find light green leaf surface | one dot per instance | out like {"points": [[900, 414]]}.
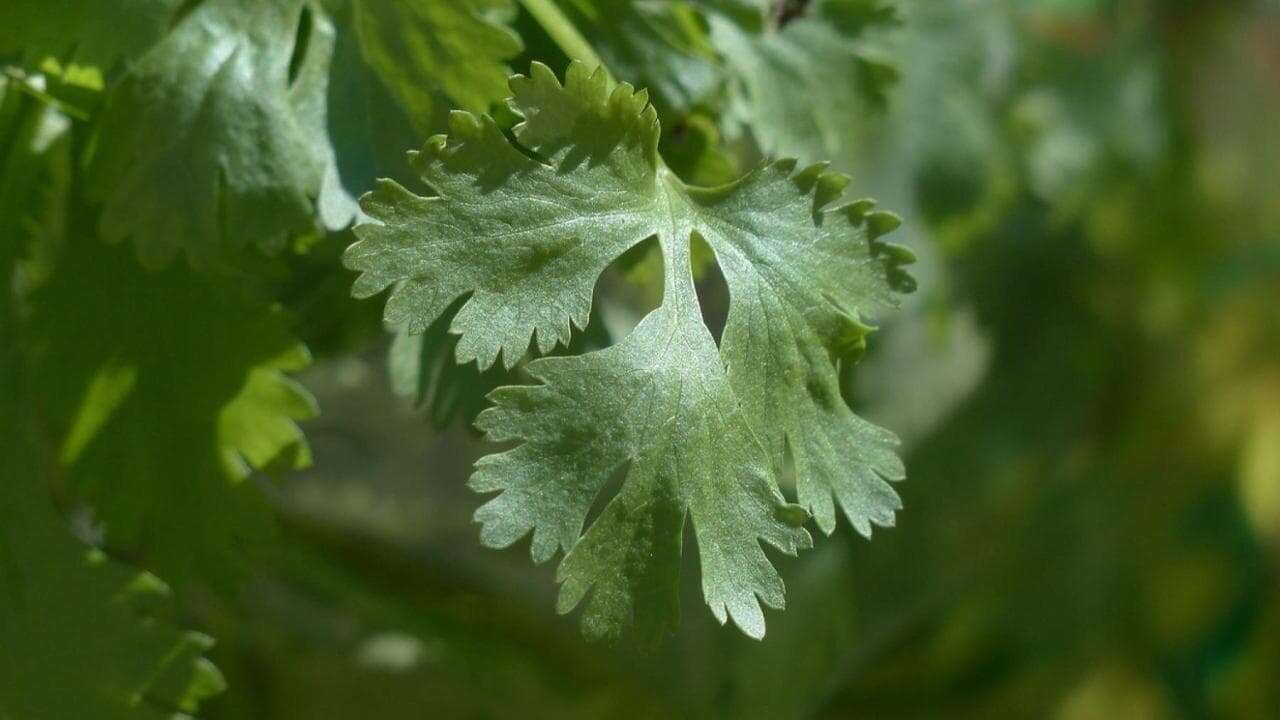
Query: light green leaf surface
{"points": [[166, 390], [214, 144], [432, 55], [702, 433]]}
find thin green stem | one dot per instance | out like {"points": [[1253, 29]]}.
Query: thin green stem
{"points": [[20, 81], [564, 33]]}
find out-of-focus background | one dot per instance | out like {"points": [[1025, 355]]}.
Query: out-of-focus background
{"points": [[1087, 386]]}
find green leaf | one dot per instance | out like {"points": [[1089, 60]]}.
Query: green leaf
{"points": [[656, 45], [693, 149], [431, 54], [421, 368], [166, 390], [78, 633], [35, 163], [77, 639], [80, 33], [804, 88], [526, 230], [214, 144]]}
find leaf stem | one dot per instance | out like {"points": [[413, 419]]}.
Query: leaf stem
{"points": [[564, 33], [22, 82]]}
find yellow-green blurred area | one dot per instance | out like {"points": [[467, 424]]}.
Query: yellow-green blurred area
{"points": [[1086, 383], [1088, 388]]}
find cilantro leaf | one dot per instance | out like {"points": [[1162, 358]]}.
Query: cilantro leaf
{"points": [[421, 368], [215, 138], [802, 87], [426, 52], [526, 230], [166, 390], [659, 404]]}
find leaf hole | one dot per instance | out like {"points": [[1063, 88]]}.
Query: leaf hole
{"points": [[301, 43], [607, 492], [629, 288], [711, 286]]}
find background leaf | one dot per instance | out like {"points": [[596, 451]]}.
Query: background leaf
{"points": [[214, 143], [166, 391]]}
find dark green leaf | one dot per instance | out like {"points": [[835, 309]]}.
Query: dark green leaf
{"points": [[214, 144]]}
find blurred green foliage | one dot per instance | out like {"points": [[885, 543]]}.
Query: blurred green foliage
{"points": [[1087, 382]]}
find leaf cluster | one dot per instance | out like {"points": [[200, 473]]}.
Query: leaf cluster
{"points": [[176, 187]]}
